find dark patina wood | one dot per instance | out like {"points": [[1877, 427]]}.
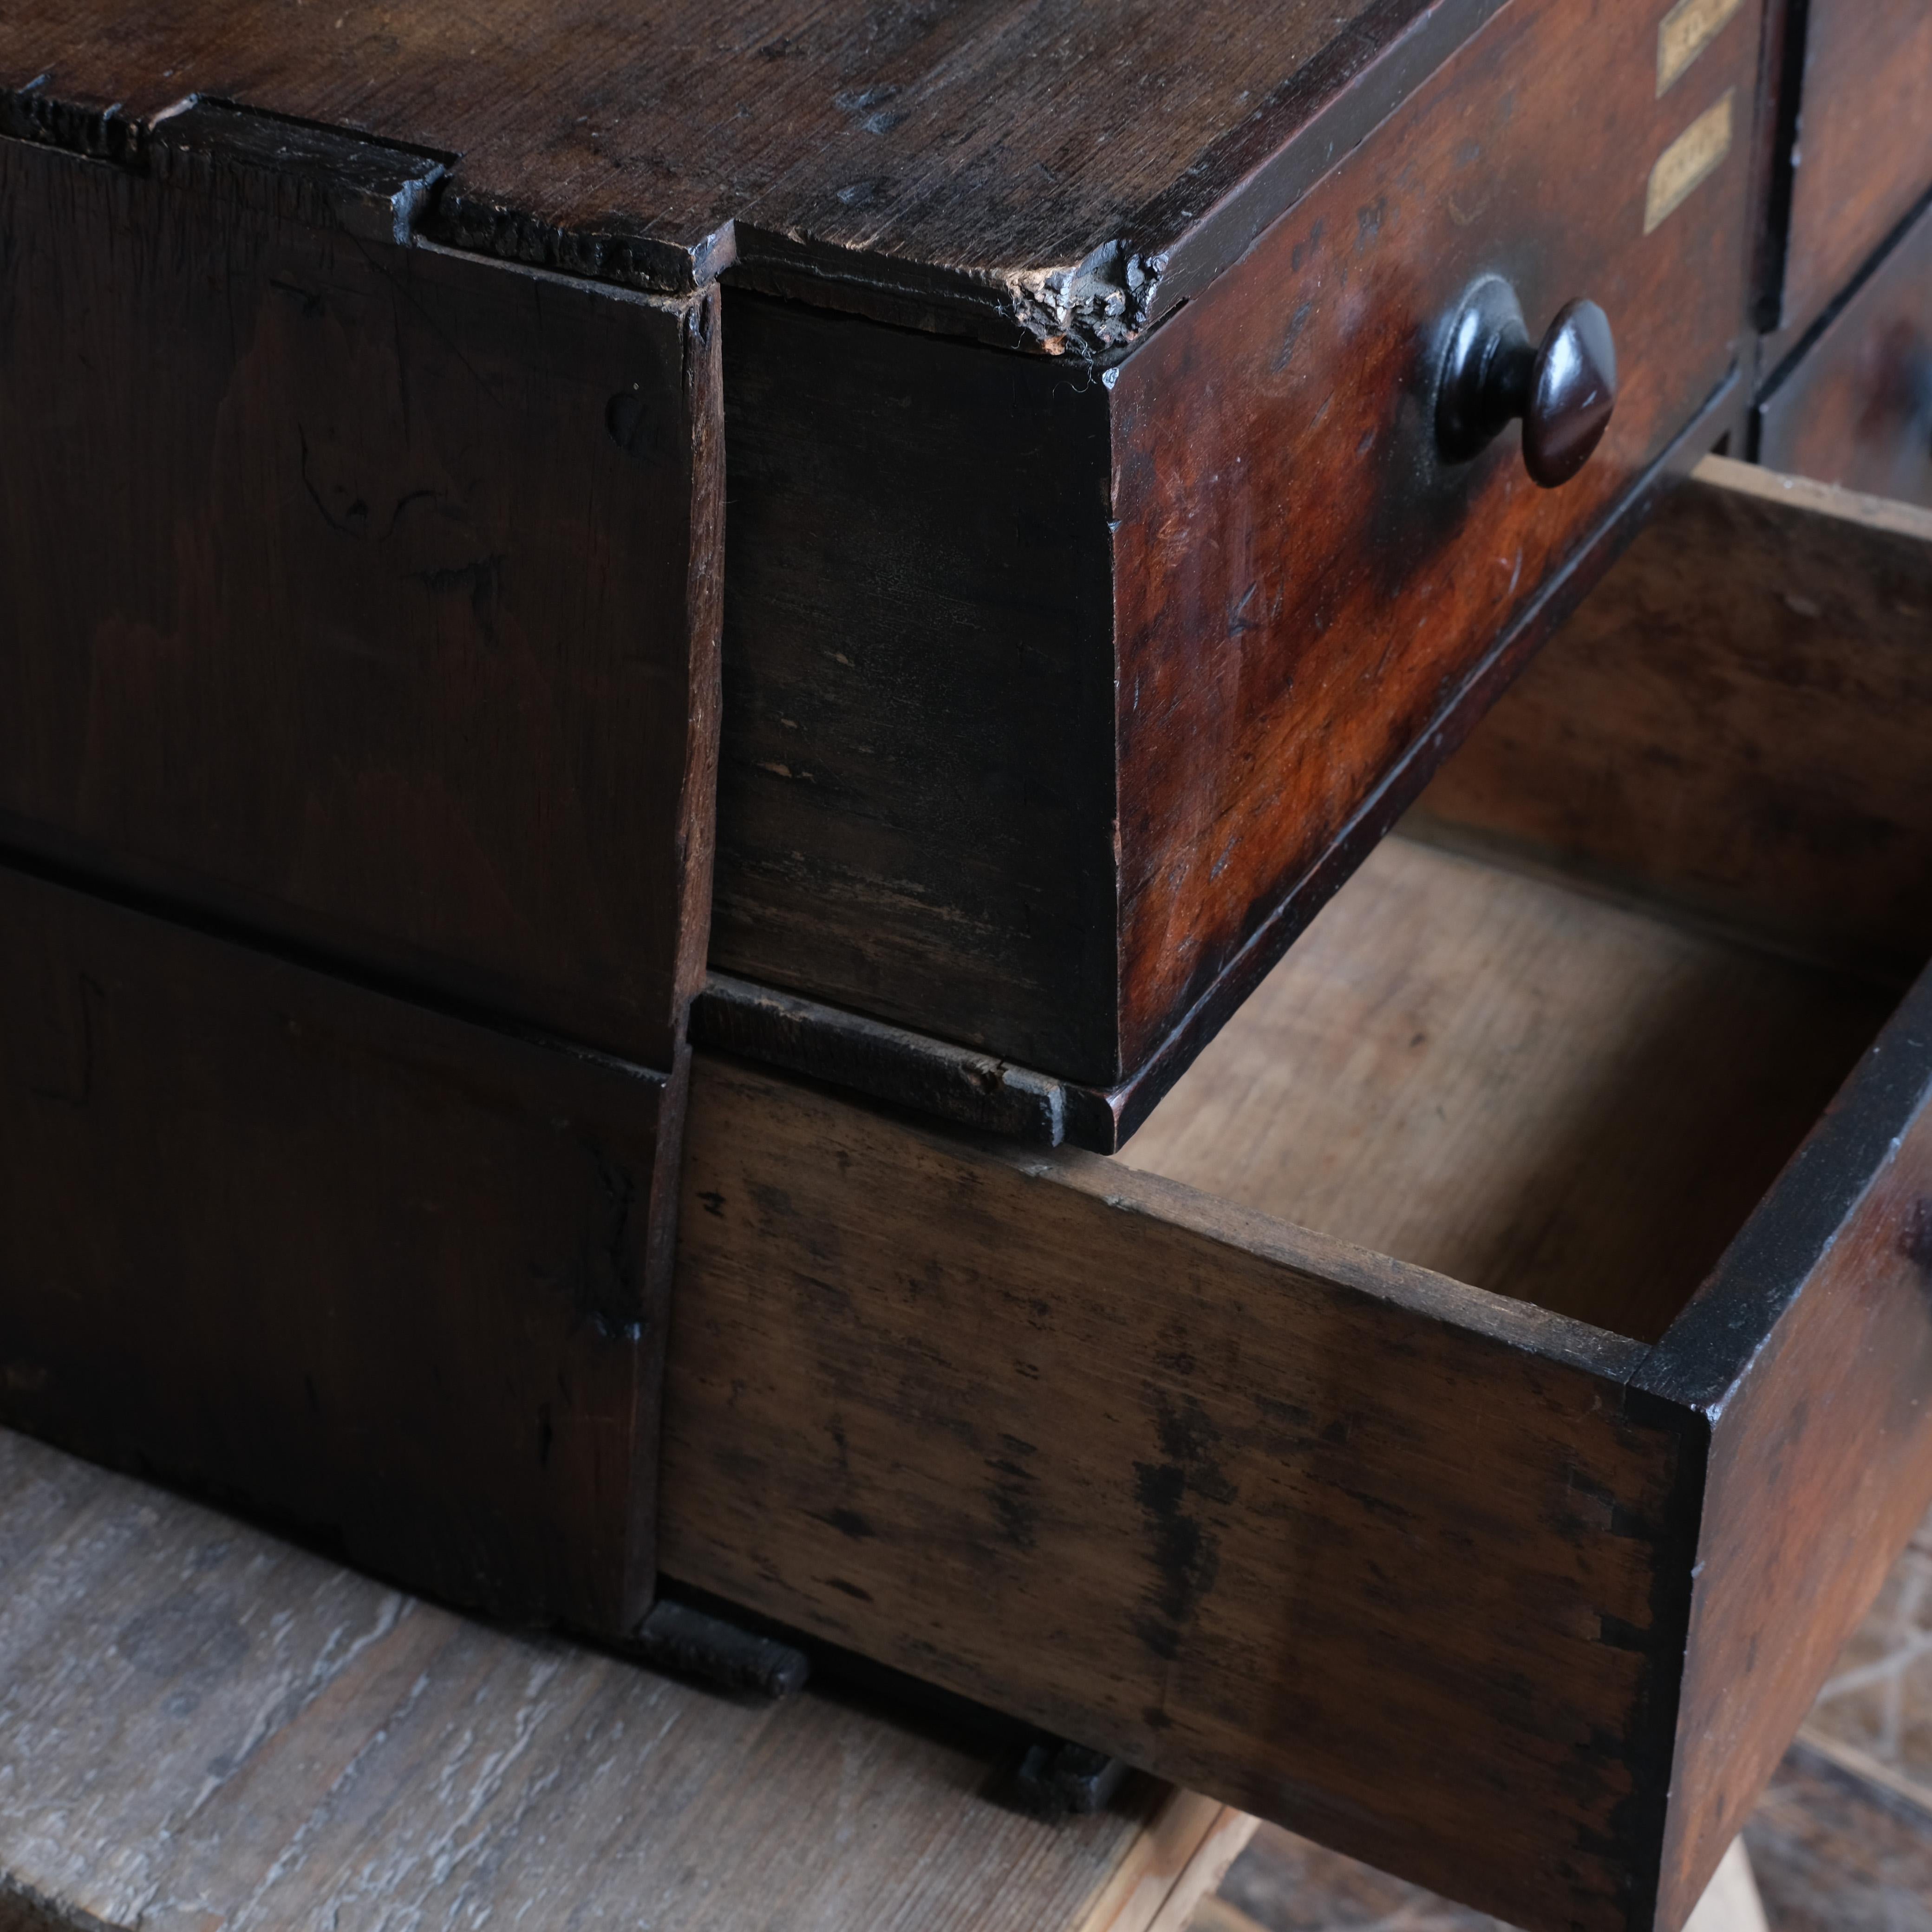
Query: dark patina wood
{"points": [[1053, 175], [1016, 764], [1336, 1539], [915, 790], [1162, 1470], [1305, 598], [1856, 407], [1272, 675], [390, 625], [396, 1280], [1810, 1353], [1863, 152], [1733, 722]]}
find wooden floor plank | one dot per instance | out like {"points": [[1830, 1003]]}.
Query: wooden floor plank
{"points": [[204, 1729]]}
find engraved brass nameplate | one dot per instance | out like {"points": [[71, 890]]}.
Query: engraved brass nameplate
{"points": [[1686, 31], [1689, 159]]}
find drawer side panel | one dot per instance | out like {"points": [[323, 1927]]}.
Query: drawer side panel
{"points": [[1734, 722], [1821, 1460], [1331, 1538], [916, 796], [360, 593]]}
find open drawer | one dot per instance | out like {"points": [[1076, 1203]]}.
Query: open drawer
{"points": [[1467, 1421]]}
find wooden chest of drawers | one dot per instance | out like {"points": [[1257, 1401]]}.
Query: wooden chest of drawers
{"points": [[1084, 623]]}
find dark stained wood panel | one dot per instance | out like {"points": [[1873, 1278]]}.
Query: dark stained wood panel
{"points": [[393, 1279], [1864, 146], [1330, 1537], [916, 786], [1811, 1351], [1733, 723], [1039, 164], [1302, 585], [1856, 409], [367, 594], [1056, 706]]}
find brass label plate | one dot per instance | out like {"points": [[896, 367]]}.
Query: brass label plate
{"points": [[1690, 161], [1685, 31]]}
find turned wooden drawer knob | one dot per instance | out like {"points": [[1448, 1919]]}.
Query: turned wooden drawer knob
{"points": [[1563, 389]]}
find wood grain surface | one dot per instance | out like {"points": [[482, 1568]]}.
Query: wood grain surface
{"points": [[916, 792], [1555, 1096], [391, 628], [1302, 584], [203, 1729], [1811, 1350], [1325, 1535], [1733, 723], [1026, 747], [1863, 147], [1856, 408], [393, 1279], [1053, 173]]}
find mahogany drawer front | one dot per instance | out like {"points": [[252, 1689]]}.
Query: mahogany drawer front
{"points": [[1517, 1589], [359, 592], [394, 1279], [1856, 408], [1056, 703], [1863, 146], [1302, 585]]}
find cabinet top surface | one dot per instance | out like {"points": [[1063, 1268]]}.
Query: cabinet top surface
{"points": [[1069, 167]]}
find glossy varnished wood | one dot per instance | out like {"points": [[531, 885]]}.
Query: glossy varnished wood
{"points": [[390, 624], [1863, 152], [1271, 673], [393, 1279], [1856, 407]]}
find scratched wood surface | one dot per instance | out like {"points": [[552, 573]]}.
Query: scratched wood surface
{"points": [[406, 645], [205, 1729], [1733, 723], [1286, 1521], [1550, 1095], [1040, 745], [1038, 160], [1302, 585]]}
